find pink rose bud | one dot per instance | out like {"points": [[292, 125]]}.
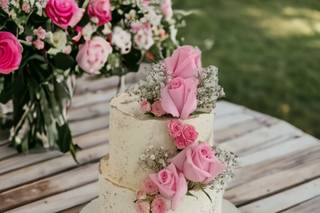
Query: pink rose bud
{"points": [[166, 8], [38, 44], [145, 106], [10, 53], [185, 62], [175, 128], [172, 184], [64, 13], [149, 187], [157, 109], [100, 9], [40, 33], [198, 163], [179, 97], [93, 55], [158, 205], [142, 207]]}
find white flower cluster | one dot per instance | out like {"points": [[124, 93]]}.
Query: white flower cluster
{"points": [[150, 87], [155, 158], [209, 89]]}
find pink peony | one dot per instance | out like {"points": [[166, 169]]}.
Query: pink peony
{"points": [[198, 163], [149, 187], [100, 9], [158, 205], [38, 44], [172, 185], [93, 54], [64, 13], [175, 128], [145, 106], [166, 8], [179, 97], [157, 109], [10, 53], [185, 62], [142, 206]]}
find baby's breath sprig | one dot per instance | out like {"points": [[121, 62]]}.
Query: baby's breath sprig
{"points": [[155, 158]]}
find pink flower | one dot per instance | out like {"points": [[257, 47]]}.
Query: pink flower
{"points": [[172, 185], [38, 44], [179, 97], [4, 4], [64, 13], [141, 195], [157, 109], [158, 205], [142, 206], [175, 128], [188, 136], [67, 50], [100, 9], [10, 53], [77, 37], [198, 163], [40, 33], [93, 54], [166, 8], [145, 106], [185, 62], [149, 187], [25, 7], [29, 39]]}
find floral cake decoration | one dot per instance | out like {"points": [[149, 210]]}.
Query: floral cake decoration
{"points": [[195, 165], [179, 86]]}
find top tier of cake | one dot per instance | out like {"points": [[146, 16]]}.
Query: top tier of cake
{"points": [[132, 131]]}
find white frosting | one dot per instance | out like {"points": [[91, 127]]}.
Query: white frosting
{"points": [[115, 198], [132, 131]]}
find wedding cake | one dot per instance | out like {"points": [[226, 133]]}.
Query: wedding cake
{"points": [[162, 156]]}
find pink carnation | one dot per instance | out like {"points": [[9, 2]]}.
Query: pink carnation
{"points": [[142, 206], [157, 109], [158, 205], [10, 53], [145, 106], [100, 9]]}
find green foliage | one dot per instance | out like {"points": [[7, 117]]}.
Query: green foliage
{"points": [[268, 54]]}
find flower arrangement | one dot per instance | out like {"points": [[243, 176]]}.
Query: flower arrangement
{"points": [[194, 166], [44, 43], [179, 86]]}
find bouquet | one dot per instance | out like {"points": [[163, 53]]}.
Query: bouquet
{"points": [[45, 43]]}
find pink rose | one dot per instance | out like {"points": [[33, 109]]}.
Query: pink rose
{"points": [[149, 187], [145, 106], [188, 137], [10, 53], [158, 205], [185, 62], [198, 163], [179, 97], [64, 13], [100, 9], [93, 54], [157, 109], [171, 184], [166, 8], [175, 128], [142, 206]]}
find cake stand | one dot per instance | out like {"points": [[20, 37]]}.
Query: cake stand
{"points": [[93, 207]]}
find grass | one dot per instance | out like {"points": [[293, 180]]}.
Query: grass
{"points": [[268, 53]]}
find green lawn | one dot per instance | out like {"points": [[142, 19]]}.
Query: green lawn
{"points": [[268, 53]]}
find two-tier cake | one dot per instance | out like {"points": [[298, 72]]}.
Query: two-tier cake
{"points": [[162, 156]]}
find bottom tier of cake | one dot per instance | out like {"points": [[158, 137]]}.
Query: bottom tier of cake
{"points": [[115, 198]]}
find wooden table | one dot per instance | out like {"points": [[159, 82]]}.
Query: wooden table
{"points": [[279, 164]]}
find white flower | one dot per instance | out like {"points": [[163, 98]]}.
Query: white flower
{"points": [[88, 30], [122, 40], [58, 40], [152, 17], [173, 34]]}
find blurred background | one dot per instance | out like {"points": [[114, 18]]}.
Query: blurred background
{"points": [[268, 53]]}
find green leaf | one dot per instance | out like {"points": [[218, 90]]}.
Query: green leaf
{"points": [[206, 193], [63, 61]]}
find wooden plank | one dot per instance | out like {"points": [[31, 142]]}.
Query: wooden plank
{"points": [[92, 138], [285, 199], [224, 108], [282, 149], [6, 151], [230, 119], [61, 201], [86, 126], [91, 84], [75, 209], [50, 167], [91, 98], [310, 206], [48, 186], [87, 112], [257, 139]]}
